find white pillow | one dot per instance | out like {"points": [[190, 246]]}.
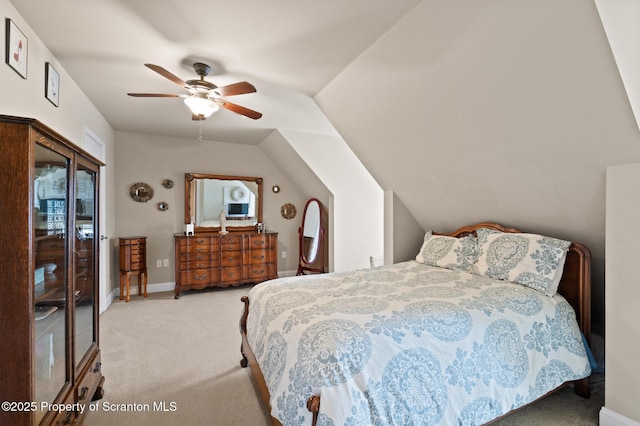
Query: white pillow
{"points": [[532, 260], [448, 252]]}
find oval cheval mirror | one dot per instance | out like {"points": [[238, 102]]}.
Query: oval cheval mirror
{"points": [[311, 239]]}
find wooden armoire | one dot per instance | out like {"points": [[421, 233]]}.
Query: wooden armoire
{"points": [[49, 263]]}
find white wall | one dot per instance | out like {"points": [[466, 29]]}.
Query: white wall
{"points": [[622, 294], [74, 115], [358, 201], [499, 110], [151, 159], [25, 97]]}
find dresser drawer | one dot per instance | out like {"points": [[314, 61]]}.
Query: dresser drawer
{"points": [[195, 257], [258, 256], [200, 276], [196, 248], [199, 260], [231, 273], [230, 258], [259, 272], [258, 241], [231, 243], [63, 418], [184, 242], [89, 382]]}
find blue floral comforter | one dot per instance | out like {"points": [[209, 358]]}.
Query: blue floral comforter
{"points": [[409, 344]]}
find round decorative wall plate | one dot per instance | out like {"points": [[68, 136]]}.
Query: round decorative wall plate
{"points": [[141, 192], [288, 211], [167, 183]]}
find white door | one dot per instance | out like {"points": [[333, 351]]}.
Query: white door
{"points": [[95, 146]]}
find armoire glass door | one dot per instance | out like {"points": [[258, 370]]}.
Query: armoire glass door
{"points": [[50, 219], [85, 252]]}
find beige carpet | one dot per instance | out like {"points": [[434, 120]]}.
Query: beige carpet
{"points": [[170, 362]]}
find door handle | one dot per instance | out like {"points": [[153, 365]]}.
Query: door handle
{"points": [[103, 237]]}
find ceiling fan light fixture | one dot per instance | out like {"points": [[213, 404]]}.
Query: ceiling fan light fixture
{"points": [[201, 106]]}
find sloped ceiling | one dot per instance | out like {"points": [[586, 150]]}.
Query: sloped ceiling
{"points": [[506, 111], [499, 111], [288, 49]]}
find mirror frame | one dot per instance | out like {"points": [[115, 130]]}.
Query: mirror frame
{"points": [[188, 182], [316, 264]]}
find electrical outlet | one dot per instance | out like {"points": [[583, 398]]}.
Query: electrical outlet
{"points": [[165, 262], [284, 254], [158, 263]]}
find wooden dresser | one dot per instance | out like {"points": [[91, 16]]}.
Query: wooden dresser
{"points": [[133, 260], [213, 260]]}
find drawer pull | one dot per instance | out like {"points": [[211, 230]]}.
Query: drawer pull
{"points": [[259, 257], [261, 271], [201, 265], [199, 257], [231, 259], [68, 419], [230, 274], [83, 393], [98, 367], [200, 241], [259, 243], [200, 249], [200, 277]]}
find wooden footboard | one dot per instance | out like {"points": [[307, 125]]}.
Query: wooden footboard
{"points": [[249, 359]]}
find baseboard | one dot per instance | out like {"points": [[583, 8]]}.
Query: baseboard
{"points": [[151, 288], [170, 286], [105, 303], [611, 418]]}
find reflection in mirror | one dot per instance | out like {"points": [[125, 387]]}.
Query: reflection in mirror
{"points": [[311, 232], [235, 199], [311, 239]]}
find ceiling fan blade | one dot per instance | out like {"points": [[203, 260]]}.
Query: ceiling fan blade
{"points": [[168, 75], [155, 95], [235, 89], [239, 109]]}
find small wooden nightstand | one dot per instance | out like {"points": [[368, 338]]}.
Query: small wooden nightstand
{"points": [[133, 260]]}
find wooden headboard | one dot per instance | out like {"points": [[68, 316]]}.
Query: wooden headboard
{"points": [[575, 285]]}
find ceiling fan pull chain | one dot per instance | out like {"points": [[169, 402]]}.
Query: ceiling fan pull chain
{"points": [[200, 130]]}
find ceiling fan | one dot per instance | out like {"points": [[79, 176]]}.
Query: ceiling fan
{"points": [[203, 97]]}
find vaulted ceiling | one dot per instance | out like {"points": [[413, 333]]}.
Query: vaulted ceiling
{"points": [[289, 49]]}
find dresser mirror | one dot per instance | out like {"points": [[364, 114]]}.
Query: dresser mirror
{"points": [[212, 199]]}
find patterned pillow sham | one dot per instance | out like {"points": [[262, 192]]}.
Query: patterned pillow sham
{"points": [[448, 252], [532, 260]]}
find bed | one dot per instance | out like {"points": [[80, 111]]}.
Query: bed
{"points": [[484, 321]]}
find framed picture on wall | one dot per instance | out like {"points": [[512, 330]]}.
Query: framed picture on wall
{"points": [[16, 49], [52, 84]]}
